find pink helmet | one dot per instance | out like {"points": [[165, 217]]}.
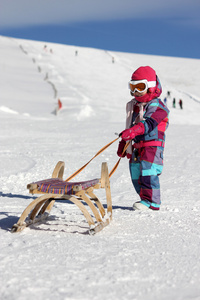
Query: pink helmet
{"points": [[150, 75]]}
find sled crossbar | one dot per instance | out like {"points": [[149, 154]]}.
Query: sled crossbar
{"points": [[79, 193]]}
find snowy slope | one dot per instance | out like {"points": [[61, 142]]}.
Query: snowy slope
{"points": [[140, 255]]}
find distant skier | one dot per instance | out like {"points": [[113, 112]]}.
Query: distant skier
{"points": [[58, 107], [146, 122], [59, 104], [181, 104], [174, 103]]}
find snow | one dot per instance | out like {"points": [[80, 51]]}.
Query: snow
{"points": [[141, 255]]}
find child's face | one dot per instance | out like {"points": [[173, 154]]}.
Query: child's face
{"points": [[138, 94]]}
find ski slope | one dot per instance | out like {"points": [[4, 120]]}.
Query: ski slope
{"points": [[141, 255]]}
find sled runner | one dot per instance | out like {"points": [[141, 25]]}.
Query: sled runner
{"points": [[79, 193]]}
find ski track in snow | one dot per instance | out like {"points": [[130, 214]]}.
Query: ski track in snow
{"points": [[140, 255]]}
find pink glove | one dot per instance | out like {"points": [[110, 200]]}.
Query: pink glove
{"points": [[121, 148], [131, 133], [128, 155]]}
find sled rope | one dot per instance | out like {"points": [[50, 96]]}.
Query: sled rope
{"points": [[117, 164], [99, 152]]}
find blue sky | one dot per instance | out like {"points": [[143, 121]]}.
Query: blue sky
{"points": [[169, 28]]}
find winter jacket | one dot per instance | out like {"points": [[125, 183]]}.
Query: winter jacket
{"points": [[155, 120]]}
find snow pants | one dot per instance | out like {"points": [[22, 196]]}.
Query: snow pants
{"points": [[145, 166]]}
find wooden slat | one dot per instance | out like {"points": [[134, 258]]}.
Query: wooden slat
{"points": [[32, 186]]}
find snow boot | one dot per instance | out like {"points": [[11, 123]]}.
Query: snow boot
{"points": [[140, 205]]}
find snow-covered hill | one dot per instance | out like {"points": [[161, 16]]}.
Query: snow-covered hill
{"points": [[140, 255]]}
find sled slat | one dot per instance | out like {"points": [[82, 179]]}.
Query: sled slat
{"points": [[32, 186]]}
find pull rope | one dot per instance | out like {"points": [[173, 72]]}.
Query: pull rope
{"points": [[99, 152], [117, 164]]}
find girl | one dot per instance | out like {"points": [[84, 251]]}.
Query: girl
{"points": [[146, 122]]}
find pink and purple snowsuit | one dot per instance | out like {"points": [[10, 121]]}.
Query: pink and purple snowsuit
{"points": [[147, 120], [146, 163]]}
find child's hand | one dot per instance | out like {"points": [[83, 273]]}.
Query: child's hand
{"points": [[131, 133], [128, 134], [121, 148]]}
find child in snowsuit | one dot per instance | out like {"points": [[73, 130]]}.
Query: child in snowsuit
{"points": [[146, 122]]}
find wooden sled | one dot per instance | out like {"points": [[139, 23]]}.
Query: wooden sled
{"points": [[79, 193]]}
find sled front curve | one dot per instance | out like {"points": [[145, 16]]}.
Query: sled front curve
{"points": [[80, 193]]}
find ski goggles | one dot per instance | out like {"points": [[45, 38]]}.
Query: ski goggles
{"points": [[140, 85]]}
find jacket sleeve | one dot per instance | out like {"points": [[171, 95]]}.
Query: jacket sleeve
{"points": [[156, 112]]}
